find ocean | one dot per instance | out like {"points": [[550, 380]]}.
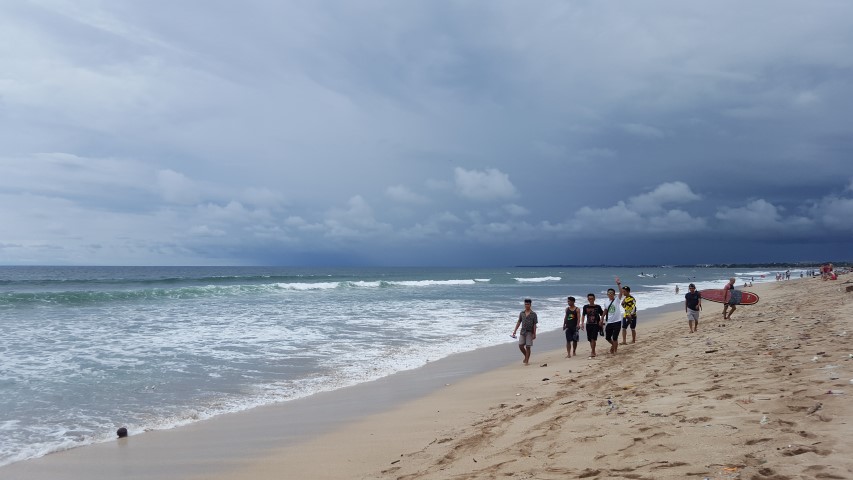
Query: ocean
{"points": [[86, 350]]}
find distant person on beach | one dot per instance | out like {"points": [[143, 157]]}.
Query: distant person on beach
{"points": [[612, 318], [527, 320], [570, 325], [728, 295], [692, 306], [676, 289], [591, 319], [629, 314]]}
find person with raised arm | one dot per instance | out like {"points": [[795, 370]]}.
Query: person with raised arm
{"points": [[612, 318]]}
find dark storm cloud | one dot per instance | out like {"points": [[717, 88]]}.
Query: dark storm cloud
{"points": [[425, 132]]}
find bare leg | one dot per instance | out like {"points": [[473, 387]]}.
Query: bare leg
{"points": [[624, 337], [633, 336], [734, 307], [575, 348], [523, 352], [592, 346], [568, 350], [612, 340], [690, 323], [526, 355]]}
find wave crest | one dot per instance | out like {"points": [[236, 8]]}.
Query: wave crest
{"points": [[538, 279]]}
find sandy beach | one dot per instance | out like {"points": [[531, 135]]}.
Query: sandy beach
{"points": [[765, 395]]}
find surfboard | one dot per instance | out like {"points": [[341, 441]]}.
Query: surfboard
{"points": [[738, 297]]}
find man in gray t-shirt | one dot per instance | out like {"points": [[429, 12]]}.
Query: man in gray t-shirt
{"points": [[527, 320]]}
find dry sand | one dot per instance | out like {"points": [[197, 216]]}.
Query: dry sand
{"points": [[742, 398]]}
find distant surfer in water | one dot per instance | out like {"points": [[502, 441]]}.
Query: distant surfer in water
{"points": [[728, 298]]}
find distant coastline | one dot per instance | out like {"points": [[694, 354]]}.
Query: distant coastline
{"points": [[778, 265]]}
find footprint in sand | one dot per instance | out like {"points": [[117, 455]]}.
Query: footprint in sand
{"points": [[795, 450]]}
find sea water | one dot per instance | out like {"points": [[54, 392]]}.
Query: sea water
{"points": [[85, 350]]}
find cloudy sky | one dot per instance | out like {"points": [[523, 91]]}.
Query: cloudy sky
{"points": [[366, 132]]}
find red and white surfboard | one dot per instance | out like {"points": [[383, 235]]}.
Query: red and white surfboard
{"points": [[738, 297]]}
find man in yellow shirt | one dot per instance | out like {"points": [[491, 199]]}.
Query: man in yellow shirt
{"points": [[629, 313]]}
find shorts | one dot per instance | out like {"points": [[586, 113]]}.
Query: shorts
{"points": [[630, 322], [525, 339], [735, 298], [611, 331], [572, 335], [692, 315], [591, 332]]}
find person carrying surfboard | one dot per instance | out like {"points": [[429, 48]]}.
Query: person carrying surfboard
{"points": [[727, 300]]}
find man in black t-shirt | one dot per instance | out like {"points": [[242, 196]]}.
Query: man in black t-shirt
{"points": [[591, 317], [570, 325], [692, 305]]}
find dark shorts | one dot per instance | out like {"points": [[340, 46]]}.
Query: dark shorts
{"points": [[572, 335], [611, 331], [630, 322], [735, 298], [591, 332]]}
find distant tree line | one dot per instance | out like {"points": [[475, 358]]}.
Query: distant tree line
{"points": [[773, 265]]}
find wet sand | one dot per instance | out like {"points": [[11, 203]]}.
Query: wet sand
{"points": [[741, 398]]}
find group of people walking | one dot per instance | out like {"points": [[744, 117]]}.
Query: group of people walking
{"points": [[614, 315]]}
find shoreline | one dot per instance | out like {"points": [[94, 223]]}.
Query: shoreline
{"points": [[413, 424], [739, 399], [306, 418]]}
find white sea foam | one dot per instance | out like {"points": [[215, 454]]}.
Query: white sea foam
{"points": [[308, 286], [430, 283], [757, 273], [537, 279]]}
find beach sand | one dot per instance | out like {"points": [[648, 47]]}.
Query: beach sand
{"points": [[741, 398]]}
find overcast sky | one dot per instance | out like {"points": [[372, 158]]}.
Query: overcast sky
{"points": [[365, 132]]}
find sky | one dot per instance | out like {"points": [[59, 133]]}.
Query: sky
{"points": [[421, 133]]}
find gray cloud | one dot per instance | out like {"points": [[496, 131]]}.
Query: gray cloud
{"points": [[268, 132], [403, 194], [489, 184]]}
